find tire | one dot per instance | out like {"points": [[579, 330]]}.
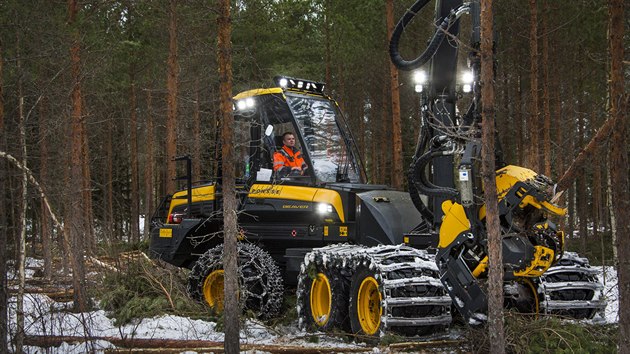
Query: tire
{"points": [[521, 295], [366, 306], [322, 297], [260, 281]]}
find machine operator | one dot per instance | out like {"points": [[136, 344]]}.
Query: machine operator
{"points": [[288, 161]]}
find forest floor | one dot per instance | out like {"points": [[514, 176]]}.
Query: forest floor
{"points": [[51, 326]]}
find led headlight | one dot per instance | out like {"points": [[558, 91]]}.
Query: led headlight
{"points": [[289, 83], [467, 77], [467, 81], [324, 208], [246, 103], [419, 79]]}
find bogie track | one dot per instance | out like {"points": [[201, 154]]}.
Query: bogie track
{"points": [[572, 289], [391, 289]]}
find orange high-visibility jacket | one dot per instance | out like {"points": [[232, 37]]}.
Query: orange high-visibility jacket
{"points": [[285, 157]]}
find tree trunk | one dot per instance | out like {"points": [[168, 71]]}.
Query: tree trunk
{"points": [[520, 120], [46, 231], [495, 256], [384, 140], [230, 254], [88, 239], [611, 210], [373, 146], [533, 126], [506, 125], [74, 211], [397, 158], [171, 83], [360, 117], [133, 157], [109, 182], [580, 185], [546, 100], [327, 40], [560, 144], [570, 146], [4, 320], [619, 165], [19, 336], [597, 196], [196, 158], [148, 168]]}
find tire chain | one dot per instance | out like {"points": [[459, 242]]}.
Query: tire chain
{"points": [[260, 280], [403, 274], [571, 288]]}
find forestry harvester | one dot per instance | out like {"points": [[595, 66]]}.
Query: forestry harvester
{"points": [[363, 257]]}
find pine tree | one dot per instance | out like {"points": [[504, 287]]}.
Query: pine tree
{"points": [[397, 159], [619, 166], [172, 87], [230, 253], [495, 256]]}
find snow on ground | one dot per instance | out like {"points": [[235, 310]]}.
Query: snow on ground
{"points": [[611, 292], [45, 317]]}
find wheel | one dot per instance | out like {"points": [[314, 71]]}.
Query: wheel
{"points": [[323, 299], [522, 296], [260, 280], [366, 306], [213, 290]]}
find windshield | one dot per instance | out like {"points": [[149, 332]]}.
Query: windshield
{"points": [[317, 120]]}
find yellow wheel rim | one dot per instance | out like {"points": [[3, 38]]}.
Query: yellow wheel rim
{"points": [[369, 308], [213, 290], [532, 287], [320, 297]]}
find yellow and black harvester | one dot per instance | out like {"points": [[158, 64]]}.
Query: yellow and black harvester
{"points": [[365, 258]]}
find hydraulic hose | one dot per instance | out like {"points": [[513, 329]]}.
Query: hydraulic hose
{"points": [[420, 181], [411, 180], [417, 201], [434, 43]]}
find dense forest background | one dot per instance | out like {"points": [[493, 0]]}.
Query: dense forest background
{"points": [[93, 95]]}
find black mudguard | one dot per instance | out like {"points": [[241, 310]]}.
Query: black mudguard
{"points": [[171, 243], [384, 217]]}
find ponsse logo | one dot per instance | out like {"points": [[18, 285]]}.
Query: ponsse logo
{"points": [[266, 190]]}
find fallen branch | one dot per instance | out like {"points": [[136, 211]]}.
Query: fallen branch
{"points": [[97, 262], [570, 174], [409, 346], [179, 345], [39, 188], [55, 341]]}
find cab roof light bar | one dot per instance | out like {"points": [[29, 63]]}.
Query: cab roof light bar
{"points": [[290, 83]]}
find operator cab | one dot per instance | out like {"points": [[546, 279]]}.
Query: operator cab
{"points": [[297, 106]]}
